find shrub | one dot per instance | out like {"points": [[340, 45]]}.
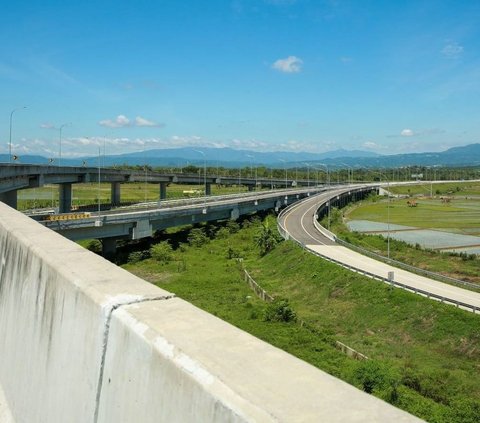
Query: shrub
{"points": [[134, 257], [280, 311], [232, 253], [375, 376], [222, 233], [232, 226], [162, 252], [95, 246], [197, 237]]}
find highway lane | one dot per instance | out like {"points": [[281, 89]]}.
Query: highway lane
{"points": [[299, 220]]}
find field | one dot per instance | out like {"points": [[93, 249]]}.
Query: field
{"points": [[460, 215], [458, 189], [423, 354]]}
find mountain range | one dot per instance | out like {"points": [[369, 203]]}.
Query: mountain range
{"points": [[468, 155]]}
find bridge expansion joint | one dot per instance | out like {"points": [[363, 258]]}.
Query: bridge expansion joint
{"points": [[108, 317]]}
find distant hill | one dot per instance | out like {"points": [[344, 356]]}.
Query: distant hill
{"points": [[468, 155], [230, 157]]}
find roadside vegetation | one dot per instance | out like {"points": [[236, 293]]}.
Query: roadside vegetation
{"points": [[423, 356]]}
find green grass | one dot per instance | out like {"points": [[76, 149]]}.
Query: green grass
{"points": [[426, 353], [459, 216]]}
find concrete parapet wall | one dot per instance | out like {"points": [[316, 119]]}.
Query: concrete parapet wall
{"points": [[82, 340]]}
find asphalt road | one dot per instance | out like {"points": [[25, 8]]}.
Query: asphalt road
{"points": [[298, 221]]}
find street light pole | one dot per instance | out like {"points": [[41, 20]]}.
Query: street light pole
{"points": [[60, 143], [388, 213], [308, 174], [349, 173], [252, 160], [285, 166], [204, 175], [328, 173], [10, 137]]}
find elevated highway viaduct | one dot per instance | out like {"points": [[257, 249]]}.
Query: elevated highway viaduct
{"points": [[136, 223], [14, 177]]}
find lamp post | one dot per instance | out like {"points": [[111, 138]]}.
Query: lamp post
{"points": [[60, 143], [285, 166], [308, 174], [239, 178], [10, 137], [251, 167], [328, 173], [388, 212], [99, 186], [349, 173], [204, 175]]}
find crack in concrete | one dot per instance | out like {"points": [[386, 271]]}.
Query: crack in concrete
{"points": [[105, 343]]}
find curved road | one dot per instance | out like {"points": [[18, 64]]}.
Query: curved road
{"points": [[298, 221]]}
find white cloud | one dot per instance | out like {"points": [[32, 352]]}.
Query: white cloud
{"points": [[47, 125], [121, 121], [407, 133], [291, 64], [140, 121], [346, 59], [452, 50], [370, 145]]}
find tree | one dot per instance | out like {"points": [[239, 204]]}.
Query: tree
{"points": [[266, 239]]}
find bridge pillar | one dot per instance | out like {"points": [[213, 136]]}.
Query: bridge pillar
{"points": [[115, 193], [163, 190], [208, 189], [64, 198], [9, 198], [109, 247]]}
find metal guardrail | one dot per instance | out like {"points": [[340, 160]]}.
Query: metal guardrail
{"points": [[413, 269], [284, 233]]}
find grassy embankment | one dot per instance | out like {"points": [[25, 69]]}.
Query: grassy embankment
{"points": [[83, 194], [459, 216], [423, 355]]}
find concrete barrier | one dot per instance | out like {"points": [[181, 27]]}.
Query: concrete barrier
{"points": [[85, 341]]}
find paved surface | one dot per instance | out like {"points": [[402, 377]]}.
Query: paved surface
{"points": [[299, 223]]}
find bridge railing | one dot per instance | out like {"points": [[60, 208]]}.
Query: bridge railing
{"points": [[212, 199]]}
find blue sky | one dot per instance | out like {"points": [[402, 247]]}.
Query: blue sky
{"points": [[304, 75]]}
